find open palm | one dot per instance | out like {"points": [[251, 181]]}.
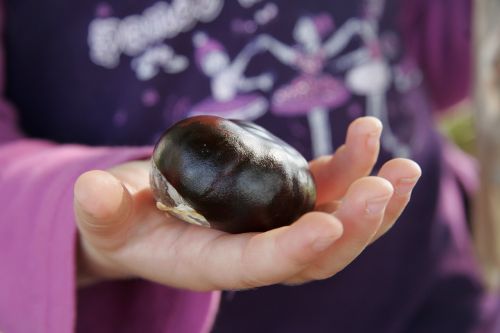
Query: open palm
{"points": [[122, 234]]}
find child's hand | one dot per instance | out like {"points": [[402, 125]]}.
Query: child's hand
{"points": [[122, 234]]}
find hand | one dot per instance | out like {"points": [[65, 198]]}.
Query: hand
{"points": [[123, 235]]}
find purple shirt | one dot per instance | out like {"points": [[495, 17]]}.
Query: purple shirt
{"points": [[93, 81]]}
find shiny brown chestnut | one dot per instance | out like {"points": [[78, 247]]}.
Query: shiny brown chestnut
{"points": [[230, 175]]}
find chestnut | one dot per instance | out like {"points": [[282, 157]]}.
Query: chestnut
{"points": [[230, 175]]}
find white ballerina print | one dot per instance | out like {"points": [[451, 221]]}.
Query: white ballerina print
{"points": [[231, 90], [368, 71], [313, 92]]}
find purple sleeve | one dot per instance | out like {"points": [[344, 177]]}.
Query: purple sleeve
{"points": [[37, 247], [438, 35], [37, 250]]}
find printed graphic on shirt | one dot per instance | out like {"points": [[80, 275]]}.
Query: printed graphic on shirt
{"points": [[313, 92], [231, 90], [334, 66], [367, 71], [261, 18], [157, 58], [109, 37]]}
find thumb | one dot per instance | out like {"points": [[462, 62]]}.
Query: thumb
{"points": [[102, 208]]}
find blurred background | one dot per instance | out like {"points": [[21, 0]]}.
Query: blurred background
{"points": [[458, 125], [474, 126]]}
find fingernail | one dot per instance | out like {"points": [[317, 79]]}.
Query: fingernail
{"points": [[405, 185], [373, 140], [322, 243], [377, 205]]}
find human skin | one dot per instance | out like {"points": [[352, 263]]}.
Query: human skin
{"points": [[123, 235]]}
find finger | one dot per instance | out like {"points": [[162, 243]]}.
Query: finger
{"points": [[210, 260], [134, 175], [361, 214], [329, 207], [102, 208], [334, 174], [403, 175], [276, 256]]}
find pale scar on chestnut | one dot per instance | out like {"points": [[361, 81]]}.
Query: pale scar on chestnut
{"points": [[230, 175]]}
